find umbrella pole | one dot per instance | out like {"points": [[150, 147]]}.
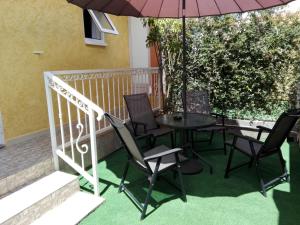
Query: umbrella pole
{"points": [[184, 78]]}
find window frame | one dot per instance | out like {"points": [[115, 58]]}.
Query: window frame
{"points": [[98, 24], [93, 19], [92, 41]]}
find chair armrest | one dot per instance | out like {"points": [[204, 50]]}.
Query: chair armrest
{"points": [[262, 128], [250, 139], [219, 115], [164, 153]]}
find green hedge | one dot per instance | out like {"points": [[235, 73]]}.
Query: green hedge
{"points": [[249, 63]]}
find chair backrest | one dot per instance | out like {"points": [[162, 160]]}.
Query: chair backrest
{"points": [[197, 101], [280, 131], [140, 110], [126, 138]]}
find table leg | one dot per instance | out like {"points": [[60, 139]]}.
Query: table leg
{"points": [[192, 165]]}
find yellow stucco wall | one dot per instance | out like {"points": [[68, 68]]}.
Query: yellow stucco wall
{"points": [[56, 28]]}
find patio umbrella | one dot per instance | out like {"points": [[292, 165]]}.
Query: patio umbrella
{"points": [[177, 9]]}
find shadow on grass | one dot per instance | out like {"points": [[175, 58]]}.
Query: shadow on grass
{"points": [[205, 185], [88, 187], [138, 184], [288, 202]]}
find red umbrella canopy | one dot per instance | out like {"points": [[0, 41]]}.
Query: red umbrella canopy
{"points": [[174, 8], [177, 9]]}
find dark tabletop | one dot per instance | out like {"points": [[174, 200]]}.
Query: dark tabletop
{"points": [[192, 120]]}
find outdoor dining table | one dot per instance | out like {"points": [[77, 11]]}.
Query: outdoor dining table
{"points": [[186, 123]]}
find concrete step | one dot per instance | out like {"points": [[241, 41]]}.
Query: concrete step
{"points": [[72, 211], [31, 202]]}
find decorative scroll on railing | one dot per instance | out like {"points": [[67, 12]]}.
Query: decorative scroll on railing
{"points": [[76, 104]]}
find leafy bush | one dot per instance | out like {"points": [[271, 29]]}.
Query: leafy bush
{"points": [[250, 64]]}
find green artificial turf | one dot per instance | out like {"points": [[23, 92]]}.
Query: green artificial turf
{"points": [[211, 199]]}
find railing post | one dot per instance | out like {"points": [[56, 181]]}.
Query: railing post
{"points": [[51, 120], [93, 150]]}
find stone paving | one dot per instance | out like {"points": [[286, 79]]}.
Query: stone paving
{"points": [[25, 159], [29, 158]]}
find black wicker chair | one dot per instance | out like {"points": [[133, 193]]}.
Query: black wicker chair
{"points": [[256, 150], [198, 102], [142, 118], [153, 162]]}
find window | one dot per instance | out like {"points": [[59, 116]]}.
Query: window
{"points": [[96, 24]]}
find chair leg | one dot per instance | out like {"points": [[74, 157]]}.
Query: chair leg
{"points": [[123, 177], [261, 181], [283, 166], [224, 142], [229, 162], [151, 185], [181, 182]]}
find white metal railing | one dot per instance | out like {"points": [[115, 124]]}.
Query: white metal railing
{"points": [[76, 103]]}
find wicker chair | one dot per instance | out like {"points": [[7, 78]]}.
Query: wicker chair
{"points": [[257, 150], [142, 118], [153, 162], [198, 102]]}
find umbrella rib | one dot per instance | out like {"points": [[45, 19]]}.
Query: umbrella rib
{"points": [[260, 4], [178, 9], [218, 7], [162, 2], [238, 6], [142, 8], [198, 8]]}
